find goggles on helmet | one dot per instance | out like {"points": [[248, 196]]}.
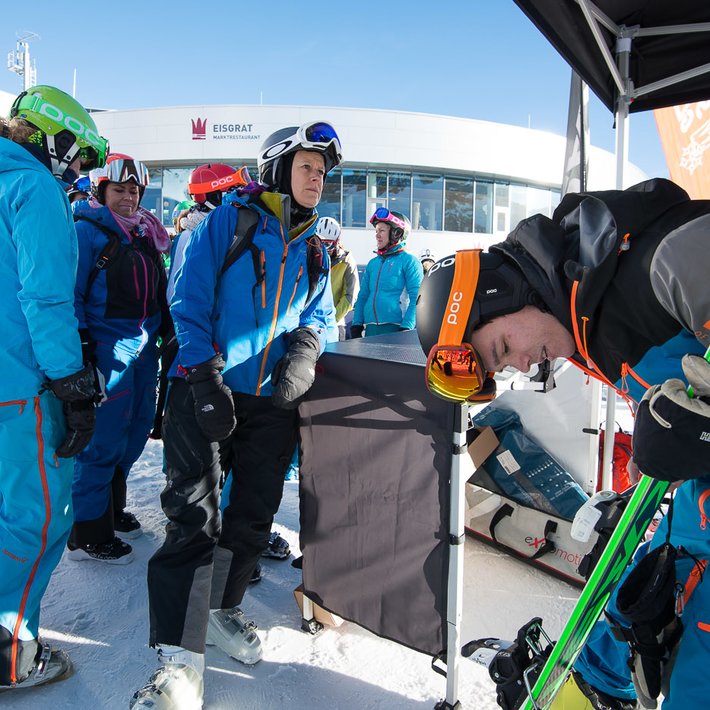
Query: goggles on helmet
{"points": [[454, 370], [318, 136], [82, 184], [239, 178], [382, 214], [120, 170]]}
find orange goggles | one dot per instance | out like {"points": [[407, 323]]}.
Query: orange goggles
{"points": [[454, 370]]}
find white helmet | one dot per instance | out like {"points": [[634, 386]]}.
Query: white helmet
{"points": [[426, 255], [328, 230]]}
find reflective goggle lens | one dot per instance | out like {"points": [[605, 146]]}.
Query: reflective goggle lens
{"points": [[125, 170], [382, 214], [454, 372], [321, 133]]}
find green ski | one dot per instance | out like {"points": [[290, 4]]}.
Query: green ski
{"points": [[628, 533]]}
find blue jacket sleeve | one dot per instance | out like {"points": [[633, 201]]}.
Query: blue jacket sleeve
{"points": [[196, 280], [413, 274], [362, 297], [45, 238]]}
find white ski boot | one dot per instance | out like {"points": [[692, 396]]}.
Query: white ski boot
{"points": [[176, 685], [52, 665], [229, 630]]}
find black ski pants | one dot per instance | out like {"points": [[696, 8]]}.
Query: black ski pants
{"points": [[207, 560]]}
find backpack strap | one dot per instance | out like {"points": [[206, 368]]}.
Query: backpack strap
{"points": [[107, 253], [314, 265]]}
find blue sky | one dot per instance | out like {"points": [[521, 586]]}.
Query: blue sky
{"points": [[473, 58]]}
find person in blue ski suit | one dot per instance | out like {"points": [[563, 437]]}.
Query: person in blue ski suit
{"points": [[393, 271], [616, 281], [250, 330], [121, 309], [47, 395]]}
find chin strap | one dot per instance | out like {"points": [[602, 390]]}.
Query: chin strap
{"points": [[59, 164]]}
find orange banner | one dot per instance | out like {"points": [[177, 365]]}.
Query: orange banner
{"points": [[685, 136]]}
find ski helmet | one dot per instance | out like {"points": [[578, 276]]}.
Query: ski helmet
{"points": [[329, 232], [80, 186], [119, 168], [498, 287], [181, 207], [208, 182], [399, 224], [65, 128], [426, 254], [318, 136]]}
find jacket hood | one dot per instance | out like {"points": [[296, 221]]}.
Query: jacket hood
{"points": [[16, 157], [583, 240]]}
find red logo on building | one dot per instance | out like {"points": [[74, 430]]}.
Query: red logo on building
{"points": [[199, 129]]}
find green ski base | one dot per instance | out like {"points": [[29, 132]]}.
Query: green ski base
{"points": [[631, 528]]}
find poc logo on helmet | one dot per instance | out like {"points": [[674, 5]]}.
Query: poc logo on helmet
{"points": [[452, 317], [222, 181], [449, 261], [70, 123]]}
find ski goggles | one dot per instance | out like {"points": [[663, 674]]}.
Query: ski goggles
{"points": [[454, 370], [82, 184], [319, 136], [122, 170], [382, 214], [239, 178]]}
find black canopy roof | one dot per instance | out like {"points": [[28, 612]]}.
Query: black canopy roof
{"points": [[683, 46]]}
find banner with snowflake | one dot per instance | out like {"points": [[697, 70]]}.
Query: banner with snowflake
{"points": [[685, 136]]}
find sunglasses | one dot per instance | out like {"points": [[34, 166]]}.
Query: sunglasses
{"points": [[454, 370], [382, 214]]}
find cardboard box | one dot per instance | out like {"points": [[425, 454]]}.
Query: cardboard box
{"points": [[320, 614], [485, 443]]}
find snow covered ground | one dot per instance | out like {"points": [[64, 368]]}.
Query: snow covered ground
{"points": [[99, 614]]}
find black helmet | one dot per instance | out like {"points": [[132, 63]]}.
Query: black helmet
{"points": [[501, 289], [318, 136]]}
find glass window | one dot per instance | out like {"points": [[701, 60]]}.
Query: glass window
{"points": [[502, 199], [538, 202], [354, 192], [427, 201], [152, 197], [483, 208], [518, 204], [400, 193], [329, 205], [174, 189], [458, 205]]}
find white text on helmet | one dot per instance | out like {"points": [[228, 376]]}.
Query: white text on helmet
{"points": [[452, 316], [449, 261], [70, 123], [229, 180]]}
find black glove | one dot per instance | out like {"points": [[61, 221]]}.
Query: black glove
{"points": [[214, 406], [78, 392], [88, 346], [356, 331], [294, 373], [671, 439]]}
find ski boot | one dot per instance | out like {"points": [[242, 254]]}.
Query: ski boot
{"points": [[51, 665], [277, 548], [229, 630], [176, 685]]}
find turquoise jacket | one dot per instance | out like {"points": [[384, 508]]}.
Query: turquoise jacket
{"points": [[38, 260], [246, 312], [386, 277]]}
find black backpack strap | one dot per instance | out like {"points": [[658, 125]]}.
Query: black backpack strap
{"points": [[107, 253], [315, 264], [243, 239]]}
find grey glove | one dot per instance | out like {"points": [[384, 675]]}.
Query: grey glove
{"points": [[295, 372], [672, 431], [214, 407]]}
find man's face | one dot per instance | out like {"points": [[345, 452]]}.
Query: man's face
{"points": [[307, 175], [522, 339]]}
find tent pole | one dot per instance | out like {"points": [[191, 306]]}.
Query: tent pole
{"points": [[454, 603]]}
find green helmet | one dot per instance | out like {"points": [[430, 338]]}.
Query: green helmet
{"points": [[67, 129]]}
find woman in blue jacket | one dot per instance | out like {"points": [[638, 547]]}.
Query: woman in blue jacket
{"points": [[121, 308], [46, 393], [387, 276]]}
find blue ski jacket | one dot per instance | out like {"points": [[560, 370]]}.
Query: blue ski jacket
{"points": [[278, 284], [386, 277], [125, 301], [38, 257]]}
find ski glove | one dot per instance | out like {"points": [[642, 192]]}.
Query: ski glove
{"points": [[671, 439], [295, 372], [78, 392], [356, 331], [214, 406]]}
